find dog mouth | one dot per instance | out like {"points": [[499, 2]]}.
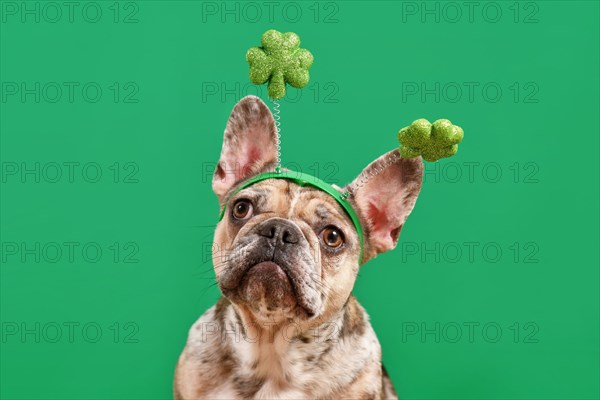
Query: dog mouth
{"points": [[268, 287], [266, 283]]}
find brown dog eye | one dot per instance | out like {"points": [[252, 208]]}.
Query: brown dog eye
{"points": [[242, 209], [332, 236]]}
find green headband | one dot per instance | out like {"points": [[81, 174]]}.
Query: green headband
{"points": [[308, 180]]}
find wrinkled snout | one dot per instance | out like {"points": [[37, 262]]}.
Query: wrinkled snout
{"points": [[274, 269]]}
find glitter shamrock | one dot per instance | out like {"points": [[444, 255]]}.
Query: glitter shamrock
{"points": [[280, 60], [430, 141]]}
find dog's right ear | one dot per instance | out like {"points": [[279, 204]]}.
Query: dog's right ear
{"points": [[249, 145]]}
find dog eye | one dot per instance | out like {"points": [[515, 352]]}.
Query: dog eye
{"points": [[332, 237], [242, 209]]}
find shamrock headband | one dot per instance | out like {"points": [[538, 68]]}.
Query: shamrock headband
{"points": [[312, 181], [279, 62]]}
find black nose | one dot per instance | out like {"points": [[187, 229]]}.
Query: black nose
{"points": [[279, 230]]}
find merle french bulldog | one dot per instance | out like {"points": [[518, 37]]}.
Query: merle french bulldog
{"points": [[287, 325]]}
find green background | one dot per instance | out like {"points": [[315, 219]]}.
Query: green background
{"points": [[522, 192]]}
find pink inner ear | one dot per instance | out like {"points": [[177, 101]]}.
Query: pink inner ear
{"points": [[385, 194], [384, 229], [250, 162], [381, 224], [253, 157], [377, 216]]}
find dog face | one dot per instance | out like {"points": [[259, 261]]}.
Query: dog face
{"points": [[292, 251], [287, 251]]}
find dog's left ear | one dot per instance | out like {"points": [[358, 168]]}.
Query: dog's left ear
{"points": [[384, 194], [249, 145]]}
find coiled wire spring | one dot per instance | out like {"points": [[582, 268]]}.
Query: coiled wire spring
{"points": [[277, 118]]}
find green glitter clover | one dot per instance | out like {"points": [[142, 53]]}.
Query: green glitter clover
{"points": [[280, 60], [431, 141]]}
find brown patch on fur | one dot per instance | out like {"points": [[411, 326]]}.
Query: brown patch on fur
{"points": [[247, 387], [221, 309], [354, 319]]}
